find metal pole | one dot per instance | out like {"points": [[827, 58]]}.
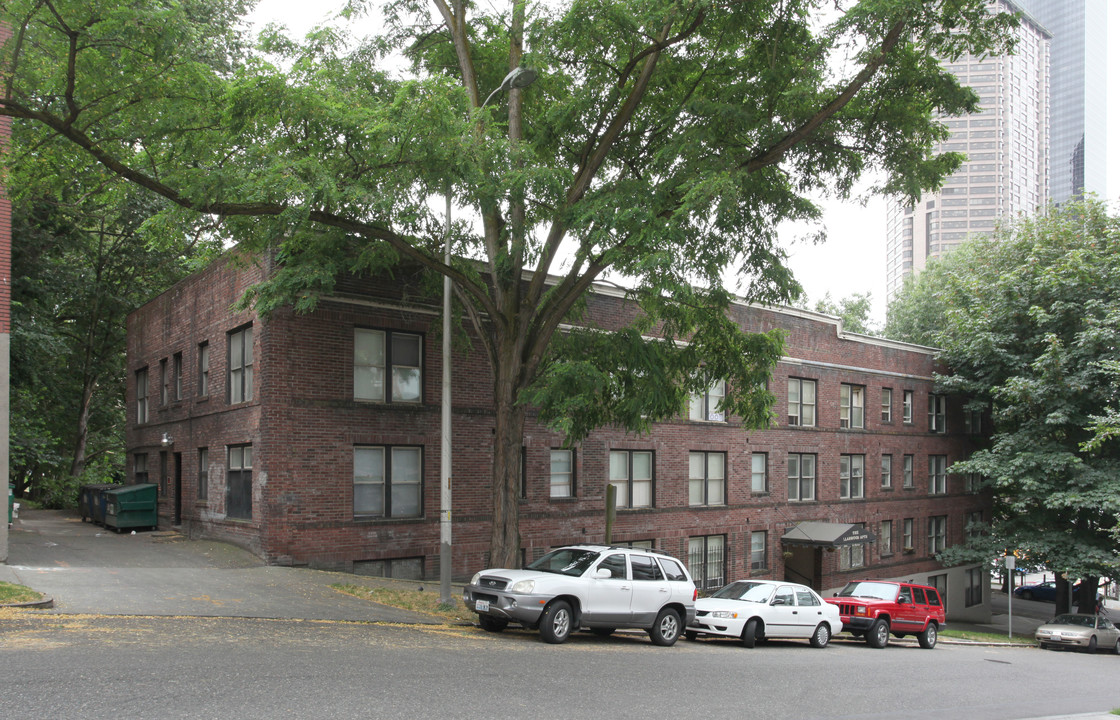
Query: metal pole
{"points": [[445, 427]]}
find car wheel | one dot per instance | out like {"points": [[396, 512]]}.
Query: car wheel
{"points": [[750, 633], [1117, 647], [556, 624], [879, 634], [1027, 595], [1092, 646], [1042, 645], [603, 632], [666, 628], [928, 637], [692, 635], [492, 624], [821, 636]]}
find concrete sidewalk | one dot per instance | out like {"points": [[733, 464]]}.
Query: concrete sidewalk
{"points": [[87, 569]]}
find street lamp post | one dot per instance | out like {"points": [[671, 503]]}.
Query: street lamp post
{"points": [[517, 78]]}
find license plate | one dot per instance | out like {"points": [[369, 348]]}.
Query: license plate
{"points": [[482, 606]]}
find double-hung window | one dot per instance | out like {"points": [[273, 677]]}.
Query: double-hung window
{"points": [[937, 533], [706, 560], [851, 477], [908, 407], [886, 539], [758, 550], [760, 480], [140, 467], [631, 474], [936, 413], [142, 396], [387, 481], [203, 473], [241, 365], [707, 481], [886, 471], [802, 402], [203, 369], [937, 474], [387, 366], [908, 534], [177, 376], [802, 477], [239, 482], [886, 402], [164, 380], [851, 406], [974, 587], [974, 526], [561, 473], [705, 406], [907, 471]]}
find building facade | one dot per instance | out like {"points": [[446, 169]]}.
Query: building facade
{"points": [[1078, 94], [1007, 172], [314, 440]]}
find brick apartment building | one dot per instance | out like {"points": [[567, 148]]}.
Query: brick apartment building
{"points": [[314, 440]]}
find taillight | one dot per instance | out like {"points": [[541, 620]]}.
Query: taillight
{"points": [[695, 594]]}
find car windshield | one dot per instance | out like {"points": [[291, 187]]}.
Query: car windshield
{"points": [[1079, 620], [881, 591], [565, 561], [745, 591]]}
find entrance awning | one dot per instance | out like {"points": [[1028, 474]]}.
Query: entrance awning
{"points": [[825, 534]]}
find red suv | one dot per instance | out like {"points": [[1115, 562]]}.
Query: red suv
{"points": [[877, 609]]}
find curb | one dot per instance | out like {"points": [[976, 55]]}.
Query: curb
{"points": [[44, 602]]}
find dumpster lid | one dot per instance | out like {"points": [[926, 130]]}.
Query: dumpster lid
{"points": [[129, 489]]}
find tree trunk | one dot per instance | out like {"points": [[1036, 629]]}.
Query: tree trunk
{"points": [[1061, 594], [1086, 595], [509, 431], [78, 464]]}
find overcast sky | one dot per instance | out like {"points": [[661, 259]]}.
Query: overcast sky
{"points": [[853, 259]]}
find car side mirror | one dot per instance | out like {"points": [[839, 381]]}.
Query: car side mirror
{"points": [[603, 573], [778, 601]]}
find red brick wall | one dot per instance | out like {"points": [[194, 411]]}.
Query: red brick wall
{"points": [[304, 424]]}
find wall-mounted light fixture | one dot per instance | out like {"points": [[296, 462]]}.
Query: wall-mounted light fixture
{"points": [[166, 440]]}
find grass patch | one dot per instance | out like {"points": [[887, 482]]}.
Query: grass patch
{"points": [[11, 593], [414, 600], [986, 637]]}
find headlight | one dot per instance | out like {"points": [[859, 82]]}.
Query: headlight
{"points": [[726, 614], [523, 587], [861, 610], [474, 580]]}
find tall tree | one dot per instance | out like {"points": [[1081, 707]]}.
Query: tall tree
{"points": [[663, 142], [1029, 323]]}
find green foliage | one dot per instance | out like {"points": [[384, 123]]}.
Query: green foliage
{"points": [[1029, 323], [854, 311]]}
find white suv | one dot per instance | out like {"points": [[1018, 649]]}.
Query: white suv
{"points": [[595, 587]]}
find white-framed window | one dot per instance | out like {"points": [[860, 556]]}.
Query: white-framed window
{"points": [[203, 473], [706, 560], [164, 382], [707, 479], [937, 474], [851, 477], [851, 406], [203, 369], [852, 556], [936, 413], [631, 473], [886, 403], [907, 471], [908, 407], [974, 526], [140, 467], [142, 396], [388, 481], [801, 475], [760, 476], [705, 407], [561, 483], [938, 531], [387, 366], [802, 402], [973, 482], [886, 471], [886, 537], [908, 534], [177, 376], [239, 482], [241, 365], [758, 550]]}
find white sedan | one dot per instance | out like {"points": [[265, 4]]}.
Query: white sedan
{"points": [[753, 610]]}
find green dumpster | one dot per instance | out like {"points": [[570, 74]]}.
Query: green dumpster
{"points": [[91, 501], [131, 506]]}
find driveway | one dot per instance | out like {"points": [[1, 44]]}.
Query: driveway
{"points": [[90, 570]]}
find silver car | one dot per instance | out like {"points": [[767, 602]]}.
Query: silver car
{"points": [[1083, 631], [592, 587]]}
